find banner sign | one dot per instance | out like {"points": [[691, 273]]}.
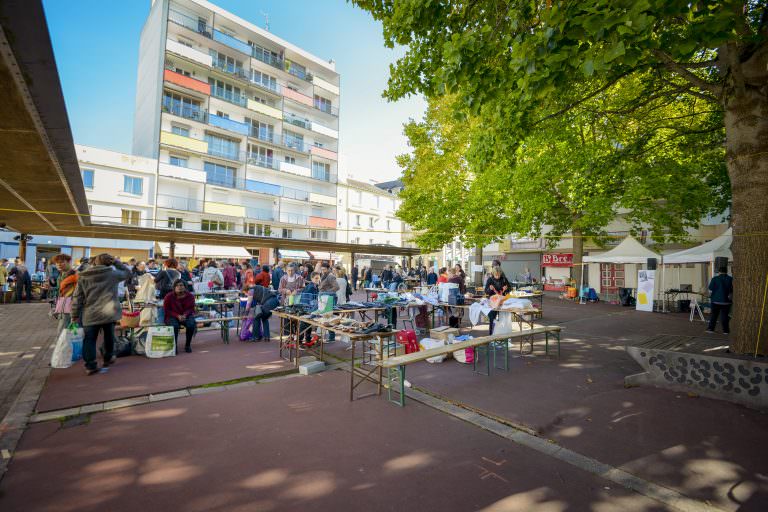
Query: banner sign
{"points": [[646, 280], [556, 260]]}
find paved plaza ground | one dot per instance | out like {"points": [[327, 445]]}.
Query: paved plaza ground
{"points": [[552, 434]]}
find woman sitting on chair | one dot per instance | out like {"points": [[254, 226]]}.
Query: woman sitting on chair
{"points": [[179, 308]]}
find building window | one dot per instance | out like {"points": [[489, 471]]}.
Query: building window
{"points": [[389, 225], [263, 80], [88, 178], [357, 221], [219, 174], [180, 130], [262, 131], [179, 161], [321, 171], [293, 140], [182, 106], [131, 217], [184, 42], [318, 234], [175, 222], [258, 229], [287, 233], [133, 185], [225, 148], [357, 197], [370, 222], [371, 241], [290, 159], [322, 104], [259, 155], [216, 225]]}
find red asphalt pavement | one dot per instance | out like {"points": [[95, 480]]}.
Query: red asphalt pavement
{"points": [[295, 444]]}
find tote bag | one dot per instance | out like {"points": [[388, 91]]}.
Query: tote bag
{"points": [[160, 342]]}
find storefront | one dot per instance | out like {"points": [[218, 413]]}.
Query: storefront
{"points": [[556, 270]]}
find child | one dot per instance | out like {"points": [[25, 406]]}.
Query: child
{"points": [[309, 298]]}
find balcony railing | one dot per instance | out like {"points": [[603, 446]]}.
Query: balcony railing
{"points": [[295, 144], [294, 218], [298, 121], [232, 42], [259, 213], [328, 109], [277, 89], [235, 71], [223, 153], [179, 203], [268, 59], [294, 193], [196, 25], [185, 111], [223, 94], [228, 124], [297, 71], [260, 161]]}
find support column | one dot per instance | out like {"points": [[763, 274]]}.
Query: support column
{"points": [[478, 276], [23, 247], [172, 249]]}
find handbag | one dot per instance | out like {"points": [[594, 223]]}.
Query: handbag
{"points": [[130, 318]]}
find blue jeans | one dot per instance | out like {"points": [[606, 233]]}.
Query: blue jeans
{"points": [[266, 313], [491, 320], [160, 315]]}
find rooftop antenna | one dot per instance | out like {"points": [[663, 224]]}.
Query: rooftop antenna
{"points": [[266, 20]]}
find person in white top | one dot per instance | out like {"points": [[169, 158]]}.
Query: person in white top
{"points": [[341, 278]]}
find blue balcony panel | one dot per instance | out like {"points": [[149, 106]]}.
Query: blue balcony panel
{"points": [[228, 124]]}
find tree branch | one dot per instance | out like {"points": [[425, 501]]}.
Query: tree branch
{"points": [[691, 77]]}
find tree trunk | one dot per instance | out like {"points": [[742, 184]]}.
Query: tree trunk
{"points": [[578, 253], [478, 276], [746, 128]]}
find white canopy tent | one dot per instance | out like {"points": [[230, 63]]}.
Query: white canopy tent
{"points": [[704, 253], [204, 251], [628, 251]]}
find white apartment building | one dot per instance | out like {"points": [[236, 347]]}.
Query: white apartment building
{"points": [[368, 215], [242, 124]]}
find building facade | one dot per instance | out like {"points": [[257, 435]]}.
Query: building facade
{"points": [[243, 127]]}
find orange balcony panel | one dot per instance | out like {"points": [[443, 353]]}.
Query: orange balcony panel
{"points": [[325, 153], [297, 96], [185, 81], [322, 222]]}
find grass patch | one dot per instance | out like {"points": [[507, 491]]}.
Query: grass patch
{"points": [[254, 378]]}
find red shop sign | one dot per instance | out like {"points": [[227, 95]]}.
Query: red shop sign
{"points": [[556, 260]]}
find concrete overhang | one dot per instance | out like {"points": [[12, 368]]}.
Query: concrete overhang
{"points": [[41, 189]]}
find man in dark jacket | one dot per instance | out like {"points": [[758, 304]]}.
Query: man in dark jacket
{"points": [[267, 300], [386, 276], [354, 276], [96, 307], [277, 274], [721, 297], [431, 277], [23, 280]]}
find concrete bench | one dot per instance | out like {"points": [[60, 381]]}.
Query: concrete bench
{"points": [[395, 366]]}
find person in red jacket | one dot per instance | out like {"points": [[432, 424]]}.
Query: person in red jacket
{"points": [[263, 279], [179, 308]]}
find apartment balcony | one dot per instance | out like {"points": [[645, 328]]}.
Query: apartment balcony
{"points": [[295, 144], [298, 97], [232, 42], [325, 153], [238, 156], [322, 199], [193, 24], [186, 82], [268, 59], [272, 88], [294, 193], [294, 218], [230, 210], [229, 96], [259, 213], [189, 53], [182, 173], [324, 130], [261, 161], [295, 120], [322, 222], [180, 141], [186, 111], [179, 203], [328, 109], [228, 124], [234, 71], [296, 71], [262, 134], [323, 175], [323, 84], [261, 108], [298, 170]]}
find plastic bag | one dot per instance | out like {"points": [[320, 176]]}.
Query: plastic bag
{"points": [[148, 316], [62, 352], [246, 330], [427, 343], [160, 342], [503, 324]]}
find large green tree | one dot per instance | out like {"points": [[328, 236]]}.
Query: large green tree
{"points": [[510, 61]]}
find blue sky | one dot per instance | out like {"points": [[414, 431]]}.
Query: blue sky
{"points": [[96, 46]]}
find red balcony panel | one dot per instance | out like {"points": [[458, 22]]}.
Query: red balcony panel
{"points": [[185, 81], [325, 153], [297, 96], [322, 222]]}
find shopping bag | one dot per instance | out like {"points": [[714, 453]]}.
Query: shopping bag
{"points": [[503, 324], [160, 342], [427, 343], [139, 341], [246, 330], [325, 303], [466, 355], [148, 316], [62, 352]]}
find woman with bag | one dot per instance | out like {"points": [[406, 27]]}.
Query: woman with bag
{"points": [[164, 283], [212, 275], [96, 307], [497, 284], [179, 308], [261, 303], [65, 284]]}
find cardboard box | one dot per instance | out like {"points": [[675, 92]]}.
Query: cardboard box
{"points": [[443, 333]]}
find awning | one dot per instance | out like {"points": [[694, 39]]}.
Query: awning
{"points": [[204, 251], [293, 254], [628, 251], [704, 253], [320, 255]]}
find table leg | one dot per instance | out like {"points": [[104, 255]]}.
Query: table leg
{"points": [[352, 373], [402, 385], [381, 359]]}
